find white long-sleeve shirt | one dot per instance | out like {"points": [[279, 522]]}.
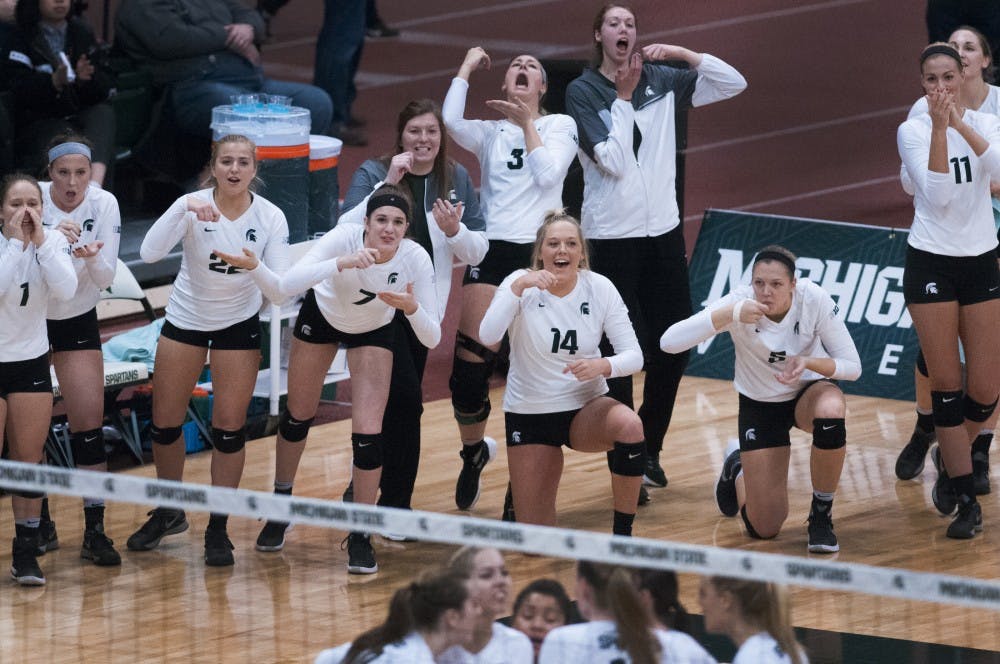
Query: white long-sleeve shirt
{"points": [[100, 221], [547, 332], [953, 215], [518, 187], [348, 298], [411, 650], [29, 279], [810, 328], [596, 642], [208, 293], [506, 646], [761, 648]]}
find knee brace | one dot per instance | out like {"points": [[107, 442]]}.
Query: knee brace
{"points": [[922, 363], [470, 382], [628, 459], [829, 433], [367, 448], [947, 408], [164, 435], [750, 529], [229, 442], [88, 447], [975, 411], [291, 429]]}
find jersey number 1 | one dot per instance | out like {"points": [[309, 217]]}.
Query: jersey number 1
{"points": [[24, 295], [565, 342]]}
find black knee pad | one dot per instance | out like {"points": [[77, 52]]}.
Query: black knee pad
{"points": [[829, 433], [229, 442], [291, 429], [750, 529], [947, 408], [88, 447], [470, 384], [922, 363], [164, 435], [975, 411], [30, 495], [628, 459], [367, 449]]}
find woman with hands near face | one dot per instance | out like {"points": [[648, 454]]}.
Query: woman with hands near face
{"points": [[790, 349], [555, 314], [524, 156]]}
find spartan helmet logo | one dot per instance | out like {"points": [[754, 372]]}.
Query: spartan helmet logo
{"points": [[251, 235], [393, 276], [931, 288], [88, 225], [307, 330], [474, 274], [515, 436], [585, 308], [750, 434]]}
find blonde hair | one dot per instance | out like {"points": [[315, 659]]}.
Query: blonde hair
{"points": [[553, 217], [210, 180], [764, 606], [615, 592]]}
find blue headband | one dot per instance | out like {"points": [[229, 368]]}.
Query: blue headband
{"points": [[64, 149]]}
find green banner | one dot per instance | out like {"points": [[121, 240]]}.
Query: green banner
{"points": [[860, 266]]}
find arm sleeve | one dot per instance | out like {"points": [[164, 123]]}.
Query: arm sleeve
{"points": [[468, 246], [425, 320], [32, 89], [273, 262], [717, 80], [919, 106], [166, 232], [470, 134], [163, 32], [991, 158], [914, 150], [549, 162], [57, 266], [244, 14], [627, 359], [472, 213], [501, 312], [363, 183], [616, 150], [838, 343], [101, 268], [319, 263], [12, 260], [691, 331]]}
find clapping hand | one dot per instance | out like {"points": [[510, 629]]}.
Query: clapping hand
{"points": [[362, 258], [245, 261], [406, 302]]}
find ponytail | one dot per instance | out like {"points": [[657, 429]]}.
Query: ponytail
{"points": [[615, 592], [663, 588], [764, 606], [398, 623]]}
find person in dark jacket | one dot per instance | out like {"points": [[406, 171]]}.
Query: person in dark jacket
{"points": [[55, 87]]}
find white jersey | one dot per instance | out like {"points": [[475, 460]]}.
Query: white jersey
{"points": [[596, 642], [761, 648], [208, 293], [547, 332], [810, 328], [518, 187], [99, 221], [348, 299], [411, 650], [506, 646], [953, 215], [29, 278]]}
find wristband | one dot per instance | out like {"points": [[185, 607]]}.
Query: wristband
{"points": [[737, 309]]}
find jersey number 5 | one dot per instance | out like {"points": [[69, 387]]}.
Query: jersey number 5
{"points": [[517, 159], [221, 266], [565, 342]]}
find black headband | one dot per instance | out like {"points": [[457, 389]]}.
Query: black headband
{"points": [[941, 49], [776, 256], [380, 200]]}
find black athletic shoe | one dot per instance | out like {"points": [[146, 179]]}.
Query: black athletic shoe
{"points": [[653, 475], [360, 554], [474, 459], [348, 496], [910, 462], [508, 506], [99, 548], [942, 494], [48, 539], [725, 488], [162, 521], [24, 564], [218, 549], [821, 536], [272, 536], [967, 522], [379, 30], [981, 472], [643, 496]]}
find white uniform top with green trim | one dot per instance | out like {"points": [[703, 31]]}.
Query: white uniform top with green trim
{"points": [[596, 642]]}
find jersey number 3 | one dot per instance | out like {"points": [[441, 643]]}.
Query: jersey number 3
{"points": [[562, 341], [517, 159], [221, 266]]}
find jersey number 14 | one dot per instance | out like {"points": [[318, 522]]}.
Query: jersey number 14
{"points": [[565, 342]]}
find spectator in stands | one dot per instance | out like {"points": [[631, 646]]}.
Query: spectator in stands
{"points": [[205, 51], [56, 88], [375, 27], [539, 608], [946, 16], [338, 54], [34, 267], [755, 615]]}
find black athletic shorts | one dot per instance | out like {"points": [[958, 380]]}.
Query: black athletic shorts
{"points": [[312, 327], [764, 424], [76, 333], [541, 429], [931, 278], [501, 259], [244, 335], [25, 376]]}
